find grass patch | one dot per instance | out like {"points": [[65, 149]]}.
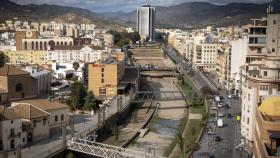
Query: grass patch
{"points": [[194, 128], [180, 129]]}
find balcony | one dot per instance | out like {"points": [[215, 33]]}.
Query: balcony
{"points": [[257, 41]]}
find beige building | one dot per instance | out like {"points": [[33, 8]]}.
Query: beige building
{"points": [[58, 112], [110, 77], [26, 57], [267, 129], [11, 136], [16, 84], [204, 56], [35, 122], [104, 76], [262, 70], [222, 65]]}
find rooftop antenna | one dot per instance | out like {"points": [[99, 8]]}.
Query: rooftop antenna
{"points": [[270, 7]]}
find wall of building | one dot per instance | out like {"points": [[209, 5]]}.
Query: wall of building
{"points": [[29, 87], [6, 136], [40, 130], [58, 113]]}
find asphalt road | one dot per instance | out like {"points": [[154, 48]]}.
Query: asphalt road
{"points": [[230, 133]]}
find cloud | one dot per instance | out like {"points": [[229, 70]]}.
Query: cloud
{"points": [[123, 5]]}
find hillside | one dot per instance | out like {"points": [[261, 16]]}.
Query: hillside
{"points": [[10, 10], [200, 13]]}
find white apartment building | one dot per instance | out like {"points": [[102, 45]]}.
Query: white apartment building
{"points": [[262, 69], [204, 56], [239, 49], [65, 54], [66, 70]]}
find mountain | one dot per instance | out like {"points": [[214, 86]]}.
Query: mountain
{"points": [[200, 13], [10, 10]]}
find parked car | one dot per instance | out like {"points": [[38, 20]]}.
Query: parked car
{"points": [[220, 114], [220, 123], [214, 108], [218, 138], [229, 96], [220, 105], [217, 99]]}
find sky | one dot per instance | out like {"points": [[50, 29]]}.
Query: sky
{"points": [[124, 5]]}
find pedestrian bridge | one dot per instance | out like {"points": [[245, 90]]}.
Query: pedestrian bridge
{"points": [[106, 151], [148, 96]]}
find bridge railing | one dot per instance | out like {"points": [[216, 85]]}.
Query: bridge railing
{"points": [[104, 150]]}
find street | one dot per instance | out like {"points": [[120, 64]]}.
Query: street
{"points": [[229, 133]]}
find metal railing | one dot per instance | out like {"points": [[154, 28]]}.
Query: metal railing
{"points": [[104, 150]]}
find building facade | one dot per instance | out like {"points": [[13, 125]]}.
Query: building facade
{"points": [[146, 16], [104, 77], [262, 70]]}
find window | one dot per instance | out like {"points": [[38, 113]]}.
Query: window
{"points": [[247, 120], [44, 121], [265, 73], [12, 121], [19, 87], [12, 131], [55, 118], [102, 80], [23, 140], [34, 123], [278, 86], [259, 50], [62, 117], [274, 22], [273, 49], [102, 69], [102, 75], [273, 40]]}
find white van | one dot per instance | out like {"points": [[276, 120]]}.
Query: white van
{"points": [[217, 99], [220, 123]]}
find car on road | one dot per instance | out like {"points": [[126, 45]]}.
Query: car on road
{"points": [[214, 108], [229, 116], [217, 99], [220, 123], [220, 114], [218, 138], [220, 105]]}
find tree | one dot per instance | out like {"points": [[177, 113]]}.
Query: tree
{"points": [[90, 102], [134, 37], [206, 91], [76, 66], [78, 93]]}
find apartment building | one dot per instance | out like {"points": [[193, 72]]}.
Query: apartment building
{"points": [[222, 65], [31, 57], [262, 70], [64, 54], [267, 129], [239, 50], [204, 56], [104, 76]]}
